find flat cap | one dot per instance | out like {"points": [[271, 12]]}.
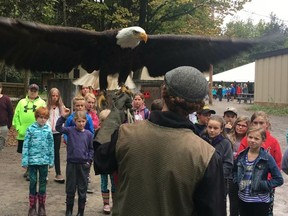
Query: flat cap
{"points": [[187, 83]]}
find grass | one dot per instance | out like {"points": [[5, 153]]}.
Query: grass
{"points": [[270, 110]]}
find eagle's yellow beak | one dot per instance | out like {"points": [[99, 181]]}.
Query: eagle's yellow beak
{"points": [[143, 36]]}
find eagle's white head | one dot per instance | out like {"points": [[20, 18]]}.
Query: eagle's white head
{"points": [[130, 37]]}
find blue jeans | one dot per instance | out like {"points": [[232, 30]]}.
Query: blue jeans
{"points": [[104, 183], [43, 172]]}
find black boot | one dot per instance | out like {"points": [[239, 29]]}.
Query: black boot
{"points": [[69, 205], [81, 207]]}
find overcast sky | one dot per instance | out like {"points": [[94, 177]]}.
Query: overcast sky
{"points": [[261, 9]]}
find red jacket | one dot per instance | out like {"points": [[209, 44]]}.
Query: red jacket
{"points": [[271, 145]]}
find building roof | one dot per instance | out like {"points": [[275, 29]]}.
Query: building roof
{"points": [[271, 53]]}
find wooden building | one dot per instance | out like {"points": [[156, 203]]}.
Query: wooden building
{"points": [[271, 78]]}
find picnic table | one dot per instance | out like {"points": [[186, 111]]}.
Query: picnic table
{"points": [[245, 97]]}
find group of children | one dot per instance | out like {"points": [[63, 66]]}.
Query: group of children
{"points": [[251, 156], [41, 146]]}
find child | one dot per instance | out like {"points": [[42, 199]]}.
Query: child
{"points": [[140, 110], [37, 154], [79, 104], [271, 144], [251, 174], [104, 177], [24, 116], [203, 116], [90, 107], [237, 133], [229, 116], [215, 135], [55, 106], [79, 158]]}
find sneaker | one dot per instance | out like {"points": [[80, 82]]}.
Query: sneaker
{"points": [[59, 179], [89, 189], [106, 209], [27, 178]]}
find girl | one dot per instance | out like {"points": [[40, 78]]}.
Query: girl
{"points": [[79, 158], [251, 174], [37, 154], [271, 144], [140, 110], [90, 107], [83, 90], [216, 136], [237, 133], [55, 106]]}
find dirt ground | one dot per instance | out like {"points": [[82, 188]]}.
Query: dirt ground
{"points": [[14, 188]]}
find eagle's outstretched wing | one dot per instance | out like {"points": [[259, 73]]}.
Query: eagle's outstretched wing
{"points": [[162, 53], [40, 47]]}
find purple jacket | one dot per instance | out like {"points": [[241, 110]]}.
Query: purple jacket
{"points": [[79, 143]]}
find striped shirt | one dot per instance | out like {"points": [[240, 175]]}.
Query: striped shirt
{"points": [[245, 183]]}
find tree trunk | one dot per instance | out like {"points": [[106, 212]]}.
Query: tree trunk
{"points": [[143, 13]]}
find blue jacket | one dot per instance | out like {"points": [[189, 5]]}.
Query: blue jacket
{"points": [[264, 164], [38, 146]]}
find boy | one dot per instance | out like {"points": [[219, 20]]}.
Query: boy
{"points": [[203, 117], [230, 116], [37, 154], [79, 104], [79, 158]]}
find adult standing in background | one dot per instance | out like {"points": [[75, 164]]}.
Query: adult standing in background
{"points": [[6, 116], [24, 115], [220, 92], [56, 107]]}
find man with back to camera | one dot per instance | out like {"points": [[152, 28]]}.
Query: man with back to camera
{"points": [[164, 168]]}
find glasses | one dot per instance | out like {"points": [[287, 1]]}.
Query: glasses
{"points": [[240, 125]]}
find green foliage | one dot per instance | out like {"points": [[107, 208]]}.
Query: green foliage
{"points": [[273, 34], [270, 110]]}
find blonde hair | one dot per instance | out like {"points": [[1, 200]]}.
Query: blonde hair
{"points": [[219, 119], [232, 134], [78, 98], [257, 129], [59, 103], [262, 114], [80, 114], [104, 114]]}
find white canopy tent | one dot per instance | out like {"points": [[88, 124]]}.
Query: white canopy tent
{"points": [[243, 73]]}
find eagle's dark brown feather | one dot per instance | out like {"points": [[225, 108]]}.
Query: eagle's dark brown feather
{"points": [[39, 47]]}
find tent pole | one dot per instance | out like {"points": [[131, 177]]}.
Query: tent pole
{"points": [[210, 84]]}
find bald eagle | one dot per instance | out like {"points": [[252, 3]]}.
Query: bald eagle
{"points": [[39, 47]]}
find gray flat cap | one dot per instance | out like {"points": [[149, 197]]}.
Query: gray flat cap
{"points": [[187, 83]]}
